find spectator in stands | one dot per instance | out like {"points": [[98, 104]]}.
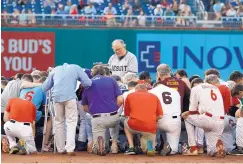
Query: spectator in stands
{"points": [[129, 20], [158, 11], [49, 3], [97, 1], [169, 11], [110, 13], [136, 6], [175, 7], [110, 10], [22, 2], [67, 7], [15, 17], [60, 9], [90, 9], [81, 5], [141, 19], [22, 18], [217, 7], [164, 4], [240, 10], [31, 17], [73, 10], [126, 6], [53, 12], [231, 12], [153, 3]]}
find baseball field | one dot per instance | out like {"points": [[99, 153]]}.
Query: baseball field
{"points": [[83, 157]]}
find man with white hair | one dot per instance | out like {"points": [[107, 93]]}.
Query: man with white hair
{"points": [[123, 61]]}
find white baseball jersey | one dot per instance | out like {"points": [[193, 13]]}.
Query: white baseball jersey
{"points": [[206, 98], [170, 99], [122, 66]]}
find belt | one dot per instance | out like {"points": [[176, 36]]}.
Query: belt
{"points": [[25, 123], [210, 115], [99, 115]]}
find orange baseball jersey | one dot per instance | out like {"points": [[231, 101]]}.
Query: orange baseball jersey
{"points": [[227, 99], [143, 108], [21, 110]]}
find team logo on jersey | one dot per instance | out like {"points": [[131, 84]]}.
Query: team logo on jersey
{"points": [[148, 56]]}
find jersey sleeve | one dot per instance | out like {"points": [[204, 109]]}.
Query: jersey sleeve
{"points": [[227, 100], [127, 107], [9, 105], [133, 65]]}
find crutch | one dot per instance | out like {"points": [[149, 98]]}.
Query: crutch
{"points": [[47, 106], [52, 112]]}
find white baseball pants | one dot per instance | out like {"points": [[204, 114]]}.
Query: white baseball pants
{"points": [[172, 127], [212, 126], [66, 111], [21, 131], [239, 132], [199, 134], [227, 136]]}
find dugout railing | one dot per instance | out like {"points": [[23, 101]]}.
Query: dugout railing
{"points": [[197, 21]]}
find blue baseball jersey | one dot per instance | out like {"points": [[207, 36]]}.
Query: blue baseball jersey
{"points": [[35, 95]]}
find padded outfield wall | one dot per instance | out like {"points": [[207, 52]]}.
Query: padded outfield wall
{"points": [[26, 49]]}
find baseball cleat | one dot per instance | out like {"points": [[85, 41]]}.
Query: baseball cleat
{"points": [[236, 152], [114, 148], [220, 149], [130, 151], [90, 146], [101, 149], [200, 149], [5, 145], [150, 150], [71, 153], [191, 152], [14, 150], [22, 147], [166, 150]]}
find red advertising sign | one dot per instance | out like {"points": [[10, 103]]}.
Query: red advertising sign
{"points": [[23, 52]]}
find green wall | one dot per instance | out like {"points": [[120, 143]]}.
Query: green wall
{"points": [[85, 46]]}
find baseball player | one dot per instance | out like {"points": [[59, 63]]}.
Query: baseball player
{"points": [[122, 61], [170, 123], [237, 91], [199, 132], [229, 121], [206, 111]]}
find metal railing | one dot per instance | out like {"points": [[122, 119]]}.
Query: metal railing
{"points": [[119, 21]]}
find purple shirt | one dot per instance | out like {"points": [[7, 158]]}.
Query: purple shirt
{"points": [[101, 96]]}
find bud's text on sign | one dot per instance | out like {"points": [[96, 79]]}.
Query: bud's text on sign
{"points": [[23, 52]]}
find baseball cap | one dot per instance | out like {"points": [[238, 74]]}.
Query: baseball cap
{"points": [[88, 72]]}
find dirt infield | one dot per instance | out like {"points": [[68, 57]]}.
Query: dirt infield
{"points": [[83, 157]]}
